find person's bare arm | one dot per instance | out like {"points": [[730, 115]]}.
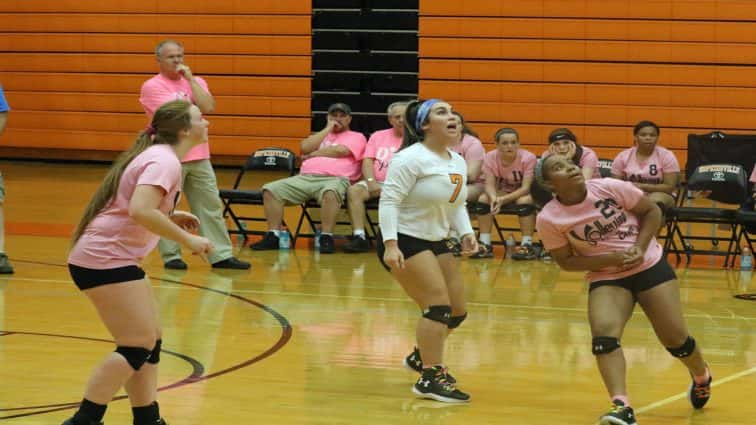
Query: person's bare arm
{"points": [[202, 98]]}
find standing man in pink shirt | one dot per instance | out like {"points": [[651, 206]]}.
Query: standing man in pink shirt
{"points": [[330, 162], [176, 82], [375, 161]]}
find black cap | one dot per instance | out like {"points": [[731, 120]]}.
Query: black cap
{"points": [[343, 107]]}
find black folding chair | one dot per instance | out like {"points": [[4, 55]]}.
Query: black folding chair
{"points": [[605, 167], [522, 210], [262, 160]]}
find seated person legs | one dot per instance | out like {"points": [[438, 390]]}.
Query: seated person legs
{"points": [[357, 195]]}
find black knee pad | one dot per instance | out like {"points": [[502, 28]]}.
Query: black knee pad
{"points": [[604, 345], [684, 350], [155, 354], [135, 356], [455, 321], [438, 313]]}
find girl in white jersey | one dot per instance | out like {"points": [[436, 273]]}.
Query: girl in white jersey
{"points": [[650, 167], [123, 222], [422, 200], [606, 227]]}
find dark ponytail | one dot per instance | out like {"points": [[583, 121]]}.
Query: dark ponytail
{"points": [[411, 135]]}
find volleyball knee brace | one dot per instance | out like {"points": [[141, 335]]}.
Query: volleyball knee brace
{"points": [[684, 350], [604, 345], [135, 356], [438, 313], [155, 354], [455, 321]]}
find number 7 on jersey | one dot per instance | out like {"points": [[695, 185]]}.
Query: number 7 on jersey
{"points": [[458, 180]]}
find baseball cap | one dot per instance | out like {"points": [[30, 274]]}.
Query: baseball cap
{"points": [[343, 107]]}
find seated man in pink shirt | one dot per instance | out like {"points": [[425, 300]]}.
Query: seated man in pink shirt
{"points": [[176, 82], [330, 162], [375, 161]]}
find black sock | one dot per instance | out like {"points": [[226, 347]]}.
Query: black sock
{"points": [[89, 412], [146, 415]]}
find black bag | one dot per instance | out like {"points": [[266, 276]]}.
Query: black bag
{"points": [[728, 183], [721, 148]]}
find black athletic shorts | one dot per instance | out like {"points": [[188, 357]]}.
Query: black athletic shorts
{"points": [[86, 278], [655, 275], [411, 246]]}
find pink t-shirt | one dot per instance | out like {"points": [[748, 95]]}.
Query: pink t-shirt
{"points": [[381, 147], [587, 159], [471, 149], [651, 170], [753, 175], [347, 166], [509, 177], [601, 224], [160, 90], [113, 239]]}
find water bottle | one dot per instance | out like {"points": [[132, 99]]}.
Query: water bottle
{"points": [[284, 239], [510, 243], [316, 239], [746, 258]]}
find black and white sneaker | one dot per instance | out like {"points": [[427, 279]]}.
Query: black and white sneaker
{"points": [[268, 242], [414, 363], [618, 415], [357, 244], [484, 251], [434, 384], [699, 394]]}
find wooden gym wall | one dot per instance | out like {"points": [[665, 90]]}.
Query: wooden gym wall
{"points": [[596, 66], [72, 69]]}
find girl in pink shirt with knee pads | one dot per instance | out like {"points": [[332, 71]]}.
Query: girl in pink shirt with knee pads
{"points": [[131, 209], [607, 227]]}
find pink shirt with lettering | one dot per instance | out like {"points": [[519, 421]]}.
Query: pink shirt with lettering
{"points": [[471, 149], [113, 239], [381, 147], [509, 177], [601, 224], [587, 159], [160, 90], [346, 166], [651, 170]]}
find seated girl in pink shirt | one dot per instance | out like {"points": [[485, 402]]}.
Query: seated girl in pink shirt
{"points": [[607, 227], [650, 167], [508, 173], [472, 150], [563, 142], [129, 212]]}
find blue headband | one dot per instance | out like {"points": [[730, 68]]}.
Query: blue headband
{"points": [[423, 111]]}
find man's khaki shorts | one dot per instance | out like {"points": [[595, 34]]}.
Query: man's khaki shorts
{"points": [[299, 189]]}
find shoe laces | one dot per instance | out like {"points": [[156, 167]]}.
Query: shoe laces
{"points": [[617, 407], [702, 390], [443, 380]]}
